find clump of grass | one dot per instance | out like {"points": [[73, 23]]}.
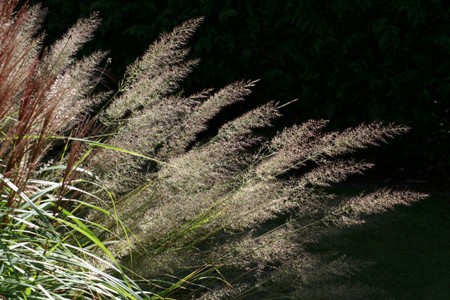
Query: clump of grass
{"points": [[48, 255], [47, 249], [213, 220]]}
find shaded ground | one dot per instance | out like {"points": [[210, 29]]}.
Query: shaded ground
{"points": [[409, 248]]}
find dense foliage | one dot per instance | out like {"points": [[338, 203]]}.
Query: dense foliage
{"points": [[347, 61]]}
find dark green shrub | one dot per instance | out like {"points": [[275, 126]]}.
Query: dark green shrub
{"points": [[346, 61]]}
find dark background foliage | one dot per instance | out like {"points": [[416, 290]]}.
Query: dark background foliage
{"points": [[349, 61]]}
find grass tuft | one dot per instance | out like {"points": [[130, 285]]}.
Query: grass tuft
{"points": [[129, 203]]}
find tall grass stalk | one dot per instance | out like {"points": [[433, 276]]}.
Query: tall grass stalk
{"points": [[145, 204]]}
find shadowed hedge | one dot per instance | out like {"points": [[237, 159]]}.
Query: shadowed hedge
{"points": [[346, 61]]}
